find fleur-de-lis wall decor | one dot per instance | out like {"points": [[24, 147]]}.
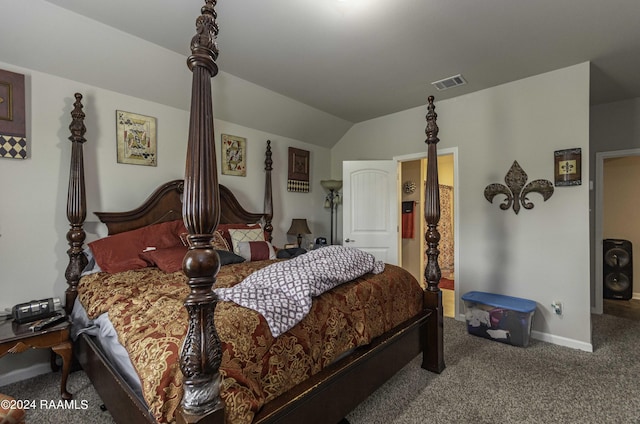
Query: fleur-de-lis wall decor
{"points": [[516, 191]]}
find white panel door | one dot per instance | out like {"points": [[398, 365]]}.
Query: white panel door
{"points": [[370, 212]]}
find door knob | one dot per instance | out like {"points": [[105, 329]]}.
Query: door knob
{"points": [[349, 240]]}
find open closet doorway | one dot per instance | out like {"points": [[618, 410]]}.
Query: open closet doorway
{"points": [[412, 257], [616, 203]]}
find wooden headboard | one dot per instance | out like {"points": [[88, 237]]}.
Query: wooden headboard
{"points": [[165, 204]]}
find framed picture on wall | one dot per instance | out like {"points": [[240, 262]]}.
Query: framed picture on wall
{"points": [[13, 135], [568, 167], [298, 175], [136, 138], [234, 155]]}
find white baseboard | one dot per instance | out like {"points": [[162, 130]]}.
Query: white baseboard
{"points": [[25, 373], [562, 341]]}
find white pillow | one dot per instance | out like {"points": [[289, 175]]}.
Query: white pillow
{"points": [[256, 234]]}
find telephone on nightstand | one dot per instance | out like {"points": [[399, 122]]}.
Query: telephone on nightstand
{"points": [[36, 309], [320, 242]]}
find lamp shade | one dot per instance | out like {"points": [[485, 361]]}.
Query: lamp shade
{"points": [[331, 184], [298, 226]]}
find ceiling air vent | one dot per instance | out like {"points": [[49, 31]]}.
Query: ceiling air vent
{"points": [[450, 82]]}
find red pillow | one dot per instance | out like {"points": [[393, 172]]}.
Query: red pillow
{"points": [[166, 234], [168, 259], [121, 252]]}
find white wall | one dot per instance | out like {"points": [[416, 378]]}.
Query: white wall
{"points": [[540, 254]]}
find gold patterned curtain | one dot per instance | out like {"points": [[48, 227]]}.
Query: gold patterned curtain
{"points": [[445, 227]]}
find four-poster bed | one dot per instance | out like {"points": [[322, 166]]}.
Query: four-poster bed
{"points": [[203, 387]]}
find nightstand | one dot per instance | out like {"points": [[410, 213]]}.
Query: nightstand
{"points": [[16, 338]]}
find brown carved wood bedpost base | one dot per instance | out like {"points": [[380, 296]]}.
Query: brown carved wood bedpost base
{"points": [[201, 355], [76, 205], [433, 357]]}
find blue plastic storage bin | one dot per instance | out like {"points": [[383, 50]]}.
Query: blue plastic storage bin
{"points": [[498, 317]]}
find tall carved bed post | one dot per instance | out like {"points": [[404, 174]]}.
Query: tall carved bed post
{"points": [[433, 361], [268, 195], [201, 353], [76, 205]]}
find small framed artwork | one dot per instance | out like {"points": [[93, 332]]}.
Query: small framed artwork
{"points": [[136, 139], [568, 167], [234, 155], [298, 176], [13, 135]]}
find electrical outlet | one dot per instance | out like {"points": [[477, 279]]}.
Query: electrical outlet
{"points": [[557, 307]]}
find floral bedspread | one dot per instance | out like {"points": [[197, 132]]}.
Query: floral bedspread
{"points": [[146, 309]]}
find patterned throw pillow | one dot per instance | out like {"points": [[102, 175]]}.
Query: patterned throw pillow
{"points": [[239, 235], [224, 229], [219, 243], [256, 250]]}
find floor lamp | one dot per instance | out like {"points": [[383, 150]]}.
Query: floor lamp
{"points": [[333, 198]]}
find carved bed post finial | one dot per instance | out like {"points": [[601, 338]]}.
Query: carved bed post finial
{"points": [[76, 204], [204, 49], [433, 361], [268, 196], [201, 352]]}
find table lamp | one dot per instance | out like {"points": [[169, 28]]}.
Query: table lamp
{"points": [[298, 228]]}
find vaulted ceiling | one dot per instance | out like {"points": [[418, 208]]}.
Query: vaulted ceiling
{"points": [[360, 59]]}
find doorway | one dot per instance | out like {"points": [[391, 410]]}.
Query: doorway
{"points": [[617, 173], [412, 178]]}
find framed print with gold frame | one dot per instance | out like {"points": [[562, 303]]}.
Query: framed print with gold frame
{"points": [[136, 139], [234, 155], [568, 167]]}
